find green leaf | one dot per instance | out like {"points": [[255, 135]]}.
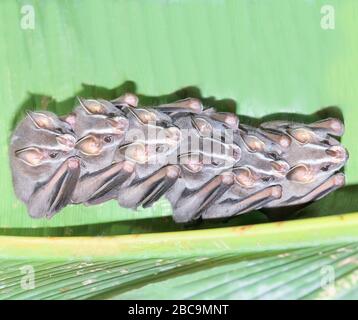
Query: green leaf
{"points": [[284, 260], [262, 59], [325, 272]]}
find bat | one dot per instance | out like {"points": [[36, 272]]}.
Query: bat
{"points": [[44, 165], [99, 127], [206, 163]]}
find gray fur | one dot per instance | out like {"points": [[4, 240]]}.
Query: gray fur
{"points": [[116, 150]]}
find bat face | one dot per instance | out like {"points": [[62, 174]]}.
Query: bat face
{"points": [[42, 142], [97, 116], [100, 174], [206, 161], [204, 151], [315, 158], [151, 145], [148, 156], [200, 166], [101, 128], [151, 153], [97, 150], [95, 144], [34, 156]]}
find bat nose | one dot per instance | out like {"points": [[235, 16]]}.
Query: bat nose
{"points": [[339, 154]]}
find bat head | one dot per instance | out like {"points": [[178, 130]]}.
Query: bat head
{"points": [[316, 152], [315, 157], [95, 144], [97, 116], [97, 150]]}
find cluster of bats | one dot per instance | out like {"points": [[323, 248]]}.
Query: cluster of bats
{"points": [[107, 150]]}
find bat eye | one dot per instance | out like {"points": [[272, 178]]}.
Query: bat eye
{"points": [[267, 178], [107, 139], [53, 155], [217, 163], [111, 115], [60, 131], [159, 149], [273, 155], [325, 168]]}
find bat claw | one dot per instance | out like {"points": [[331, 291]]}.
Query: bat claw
{"points": [[338, 154], [73, 163]]}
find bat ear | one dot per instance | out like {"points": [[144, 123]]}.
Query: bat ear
{"points": [[135, 152], [301, 173], [203, 126], [41, 120], [90, 145], [128, 99], [31, 156], [253, 144], [244, 177], [92, 106], [302, 135]]}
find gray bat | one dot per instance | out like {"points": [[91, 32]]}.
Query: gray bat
{"points": [[101, 129], [206, 163], [44, 165], [311, 159]]}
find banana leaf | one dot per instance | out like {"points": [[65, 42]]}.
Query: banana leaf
{"points": [[271, 59]]}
